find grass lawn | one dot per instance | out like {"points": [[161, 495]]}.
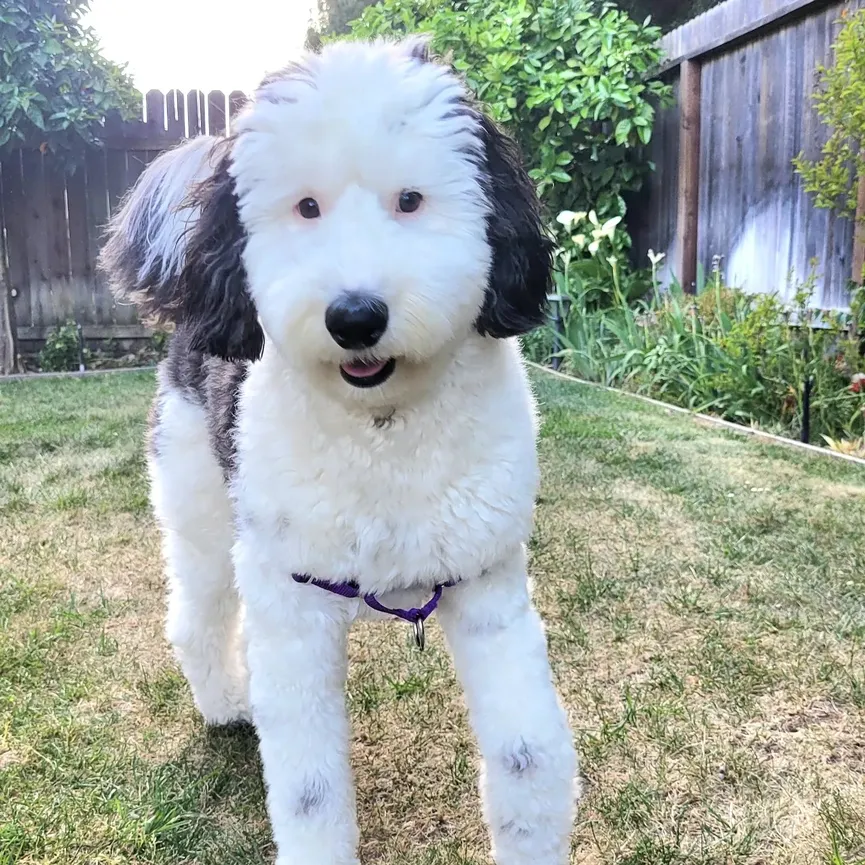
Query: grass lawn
{"points": [[705, 601]]}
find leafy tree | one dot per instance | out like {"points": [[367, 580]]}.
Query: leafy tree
{"points": [[55, 86], [55, 91]]}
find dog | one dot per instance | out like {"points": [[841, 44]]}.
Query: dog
{"points": [[344, 427]]}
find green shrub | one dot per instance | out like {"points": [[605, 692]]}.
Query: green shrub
{"points": [[840, 103], [742, 357], [61, 350], [569, 78]]}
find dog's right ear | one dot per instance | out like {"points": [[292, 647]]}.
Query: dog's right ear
{"points": [[216, 308], [175, 246]]}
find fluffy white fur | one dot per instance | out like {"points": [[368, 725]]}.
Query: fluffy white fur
{"points": [[428, 477]]}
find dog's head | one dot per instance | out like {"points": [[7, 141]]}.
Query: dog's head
{"points": [[364, 217]]}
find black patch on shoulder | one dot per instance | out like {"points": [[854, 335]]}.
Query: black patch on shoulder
{"points": [[184, 368], [212, 383], [222, 390]]}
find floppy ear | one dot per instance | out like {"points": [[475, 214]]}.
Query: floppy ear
{"points": [[216, 309], [521, 270], [174, 250]]}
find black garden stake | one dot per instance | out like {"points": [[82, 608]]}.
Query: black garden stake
{"points": [[806, 409]]}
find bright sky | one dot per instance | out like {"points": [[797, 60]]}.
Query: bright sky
{"points": [[206, 44]]}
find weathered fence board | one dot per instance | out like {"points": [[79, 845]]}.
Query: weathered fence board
{"points": [[195, 113], [175, 114], [79, 243], [36, 233], [216, 112], [759, 61], [15, 219], [236, 101], [98, 298]]}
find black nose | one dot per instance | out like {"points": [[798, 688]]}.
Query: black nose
{"points": [[356, 320]]}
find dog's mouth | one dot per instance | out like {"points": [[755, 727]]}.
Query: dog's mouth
{"points": [[367, 373]]}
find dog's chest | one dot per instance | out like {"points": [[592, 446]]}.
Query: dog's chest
{"points": [[389, 505]]}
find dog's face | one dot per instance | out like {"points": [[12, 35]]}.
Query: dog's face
{"points": [[368, 218]]}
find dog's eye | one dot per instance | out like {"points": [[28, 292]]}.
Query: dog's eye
{"points": [[308, 208], [409, 201]]}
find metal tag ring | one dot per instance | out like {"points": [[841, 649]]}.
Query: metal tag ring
{"points": [[419, 636]]}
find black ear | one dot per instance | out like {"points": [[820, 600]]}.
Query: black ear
{"points": [[216, 309], [521, 271]]}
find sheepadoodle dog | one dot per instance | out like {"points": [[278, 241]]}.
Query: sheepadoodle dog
{"points": [[344, 427]]}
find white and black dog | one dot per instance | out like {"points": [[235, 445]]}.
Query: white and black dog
{"points": [[344, 424]]}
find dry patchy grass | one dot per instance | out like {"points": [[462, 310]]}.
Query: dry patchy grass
{"points": [[705, 601]]}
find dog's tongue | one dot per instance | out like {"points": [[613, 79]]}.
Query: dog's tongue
{"points": [[362, 368]]}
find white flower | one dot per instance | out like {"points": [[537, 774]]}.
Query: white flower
{"points": [[605, 231], [569, 217], [612, 261], [656, 257], [579, 240], [608, 229]]}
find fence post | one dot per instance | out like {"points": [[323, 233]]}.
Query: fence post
{"points": [[8, 330], [8, 324], [859, 234], [689, 174]]}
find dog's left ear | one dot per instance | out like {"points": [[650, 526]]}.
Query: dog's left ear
{"points": [[521, 270], [216, 307]]}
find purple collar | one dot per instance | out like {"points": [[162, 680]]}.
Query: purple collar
{"points": [[416, 615]]}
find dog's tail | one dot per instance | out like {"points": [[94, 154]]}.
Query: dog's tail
{"points": [[146, 238]]}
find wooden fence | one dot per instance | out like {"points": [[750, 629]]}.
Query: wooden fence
{"points": [[54, 220], [744, 75]]}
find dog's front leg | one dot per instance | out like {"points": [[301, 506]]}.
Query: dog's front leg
{"points": [[528, 777], [296, 650]]}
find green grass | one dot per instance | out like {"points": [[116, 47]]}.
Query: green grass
{"points": [[705, 605]]}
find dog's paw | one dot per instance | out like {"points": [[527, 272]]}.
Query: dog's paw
{"points": [[228, 719], [225, 709]]}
